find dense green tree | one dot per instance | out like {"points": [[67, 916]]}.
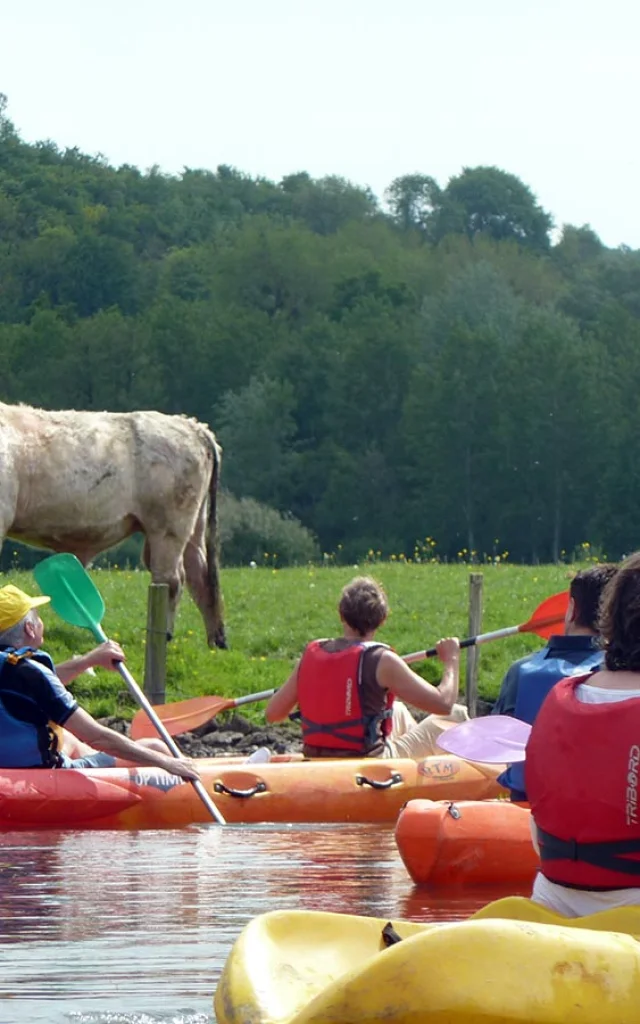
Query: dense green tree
{"points": [[413, 198], [487, 200], [447, 449], [327, 204], [257, 429]]}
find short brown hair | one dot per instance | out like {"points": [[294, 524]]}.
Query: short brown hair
{"points": [[363, 604], [586, 589], [620, 617]]}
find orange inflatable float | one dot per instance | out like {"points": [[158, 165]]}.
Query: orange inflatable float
{"points": [[466, 842], [370, 790]]}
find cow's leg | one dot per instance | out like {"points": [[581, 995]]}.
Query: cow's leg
{"points": [[199, 583], [162, 555]]}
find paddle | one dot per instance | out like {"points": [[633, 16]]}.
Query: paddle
{"points": [[77, 600], [494, 739], [185, 715], [546, 616]]}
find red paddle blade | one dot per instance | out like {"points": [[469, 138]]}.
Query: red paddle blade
{"points": [[183, 716], [548, 616]]}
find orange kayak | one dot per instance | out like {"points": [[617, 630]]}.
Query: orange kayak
{"points": [[370, 790], [466, 842]]}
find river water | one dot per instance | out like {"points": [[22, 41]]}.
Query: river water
{"points": [[134, 927]]}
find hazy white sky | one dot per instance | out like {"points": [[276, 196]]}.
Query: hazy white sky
{"points": [[367, 89]]}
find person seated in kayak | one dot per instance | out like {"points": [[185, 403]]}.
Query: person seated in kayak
{"points": [[583, 769], [577, 649], [34, 701], [345, 687]]}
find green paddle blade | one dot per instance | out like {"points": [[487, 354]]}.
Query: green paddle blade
{"points": [[73, 593]]}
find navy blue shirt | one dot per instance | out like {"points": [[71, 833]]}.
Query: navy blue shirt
{"points": [[570, 649], [529, 680], [31, 696]]}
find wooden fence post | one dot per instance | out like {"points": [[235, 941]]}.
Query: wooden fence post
{"points": [[155, 659], [475, 626]]}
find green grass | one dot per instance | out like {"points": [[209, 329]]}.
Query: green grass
{"points": [[271, 614]]}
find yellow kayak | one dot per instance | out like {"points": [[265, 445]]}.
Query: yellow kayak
{"points": [[511, 962]]}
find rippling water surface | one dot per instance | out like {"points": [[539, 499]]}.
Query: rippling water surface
{"points": [[134, 928]]}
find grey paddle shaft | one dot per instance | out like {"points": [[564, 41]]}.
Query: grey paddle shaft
{"points": [[472, 641], [251, 697], [173, 747], [140, 699]]}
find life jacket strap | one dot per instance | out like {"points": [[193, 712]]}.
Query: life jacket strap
{"points": [[370, 723], [609, 855], [334, 729]]}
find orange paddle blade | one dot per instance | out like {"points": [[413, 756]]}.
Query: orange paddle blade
{"points": [[183, 716], [547, 616]]}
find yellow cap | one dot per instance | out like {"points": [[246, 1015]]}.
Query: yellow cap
{"points": [[14, 605]]}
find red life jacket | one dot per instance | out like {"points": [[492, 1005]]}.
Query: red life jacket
{"points": [[329, 698], [582, 772]]}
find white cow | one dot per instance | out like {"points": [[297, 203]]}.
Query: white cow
{"points": [[83, 481]]}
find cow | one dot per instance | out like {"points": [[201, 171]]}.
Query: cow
{"points": [[83, 481]]}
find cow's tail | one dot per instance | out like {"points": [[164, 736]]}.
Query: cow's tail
{"points": [[213, 542]]}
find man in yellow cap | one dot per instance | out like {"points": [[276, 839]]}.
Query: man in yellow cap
{"points": [[33, 696]]}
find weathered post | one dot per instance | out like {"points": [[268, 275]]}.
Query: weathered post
{"points": [[155, 659], [475, 626]]}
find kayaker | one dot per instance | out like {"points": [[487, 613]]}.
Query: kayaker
{"points": [[583, 769], [528, 681], [34, 700], [345, 687]]}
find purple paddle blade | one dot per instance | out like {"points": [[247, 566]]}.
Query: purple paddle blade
{"points": [[493, 739]]}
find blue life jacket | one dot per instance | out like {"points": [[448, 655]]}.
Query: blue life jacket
{"points": [[538, 675], [25, 743]]}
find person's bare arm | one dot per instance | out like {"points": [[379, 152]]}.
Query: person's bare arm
{"points": [[85, 728], [284, 700], [107, 655], [395, 675]]}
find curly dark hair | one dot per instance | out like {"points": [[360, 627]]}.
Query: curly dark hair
{"points": [[363, 604], [619, 622], [586, 589]]}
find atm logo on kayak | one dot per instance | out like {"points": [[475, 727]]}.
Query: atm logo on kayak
{"points": [[632, 785], [438, 769]]}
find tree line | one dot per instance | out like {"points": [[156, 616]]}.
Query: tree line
{"points": [[439, 365]]}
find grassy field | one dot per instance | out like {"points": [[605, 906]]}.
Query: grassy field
{"points": [[270, 615]]}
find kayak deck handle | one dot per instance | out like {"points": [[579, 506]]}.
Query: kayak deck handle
{"points": [[362, 780], [260, 787]]}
